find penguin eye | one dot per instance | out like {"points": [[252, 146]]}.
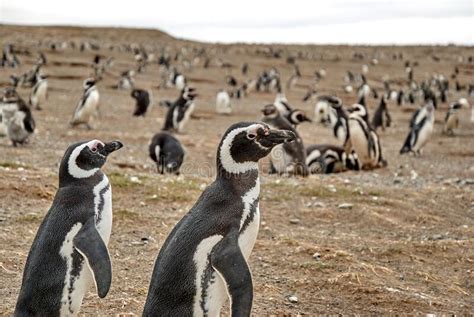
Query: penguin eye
{"points": [[251, 136], [94, 150]]}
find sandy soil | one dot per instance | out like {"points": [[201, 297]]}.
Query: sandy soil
{"points": [[405, 246]]}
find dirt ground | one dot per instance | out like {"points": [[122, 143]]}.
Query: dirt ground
{"points": [[405, 246]]}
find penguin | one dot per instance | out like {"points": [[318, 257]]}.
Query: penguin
{"points": [[39, 92], [326, 159], [363, 140], [330, 112], [451, 120], [142, 98], [167, 152], [126, 80], [223, 105], [288, 158], [88, 105], [381, 118], [204, 260], [422, 125], [340, 129], [69, 252], [20, 120], [281, 103], [180, 111]]}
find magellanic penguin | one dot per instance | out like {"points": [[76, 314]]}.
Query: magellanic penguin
{"points": [[180, 111], [223, 105], [69, 252], [142, 99], [167, 152], [451, 120], [281, 103], [422, 125], [381, 118], [330, 112], [88, 105], [16, 118], [39, 92], [326, 159], [204, 260], [363, 140], [287, 158], [297, 116]]}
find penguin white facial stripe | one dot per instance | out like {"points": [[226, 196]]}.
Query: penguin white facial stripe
{"points": [[228, 163], [314, 155], [73, 169], [201, 261], [248, 199]]}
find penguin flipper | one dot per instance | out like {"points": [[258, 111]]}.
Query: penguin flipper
{"points": [[229, 262], [90, 245]]}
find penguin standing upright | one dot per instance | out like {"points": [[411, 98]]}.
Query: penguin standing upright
{"points": [[39, 92], [422, 125], [16, 118], [281, 103], [223, 105], [69, 252], [180, 111], [142, 98], [363, 140], [204, 260], [287, 158], [451, 120], [381, 118], [167, 152], [87, 107]]}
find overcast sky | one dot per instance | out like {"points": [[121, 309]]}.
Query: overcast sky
{"points": [[291, 21]]}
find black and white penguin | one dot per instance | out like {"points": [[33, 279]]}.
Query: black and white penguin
{"points": [[88, 105], [363, 140], [177, 80], [451, 120], [69, 252], [287, 158], [142, 99], [180, 111], [281, 103], [204, 260], [16, 118], [167, 152], [326, 159], [330, 112], [39, 92], [126, 80], [223, 105], [381, 118], [421, 128]]}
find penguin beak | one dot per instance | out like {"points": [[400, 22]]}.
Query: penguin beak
{"points": [[110, 147], [280, 136]]}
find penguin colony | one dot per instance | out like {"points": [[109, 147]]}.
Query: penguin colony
{"points": [[202, 264]]}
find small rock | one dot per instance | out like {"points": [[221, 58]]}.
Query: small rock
{"points": [[469, 181], [293, 299], [345, 206], [318, 204], [397, 180], [413, 175], [142, 203], [23, 179], [317, 256], [294, 221], [135, 180], [436, 237]]}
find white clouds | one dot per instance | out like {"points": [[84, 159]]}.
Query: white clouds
{"points": [[336, 21]]}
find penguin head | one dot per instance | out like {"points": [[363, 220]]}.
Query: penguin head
{"points": [[245, 143], [10, 95], [298, 116], [188, 93], [358, 110], [89, 82], [84, 159]]}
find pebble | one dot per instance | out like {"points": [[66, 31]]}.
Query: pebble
{"points": [[294, 221], [293, 299], [397, 180], [469, 181], [135, 180], [317, 256], [345, 206]]}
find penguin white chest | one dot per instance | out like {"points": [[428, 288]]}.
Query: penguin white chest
{"points": [[187, 116], [280, 159], [424, 135], [90, 105], [103, 208], [359, 141]]}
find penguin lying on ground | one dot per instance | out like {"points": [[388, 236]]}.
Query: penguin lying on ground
{"points": [[167, 152], [142, 98], [180, 111], [287, 158], [363, 140], [204, 260], [381, 116], [421, 128], [88, 105], [69, 252], [325, 159]]}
